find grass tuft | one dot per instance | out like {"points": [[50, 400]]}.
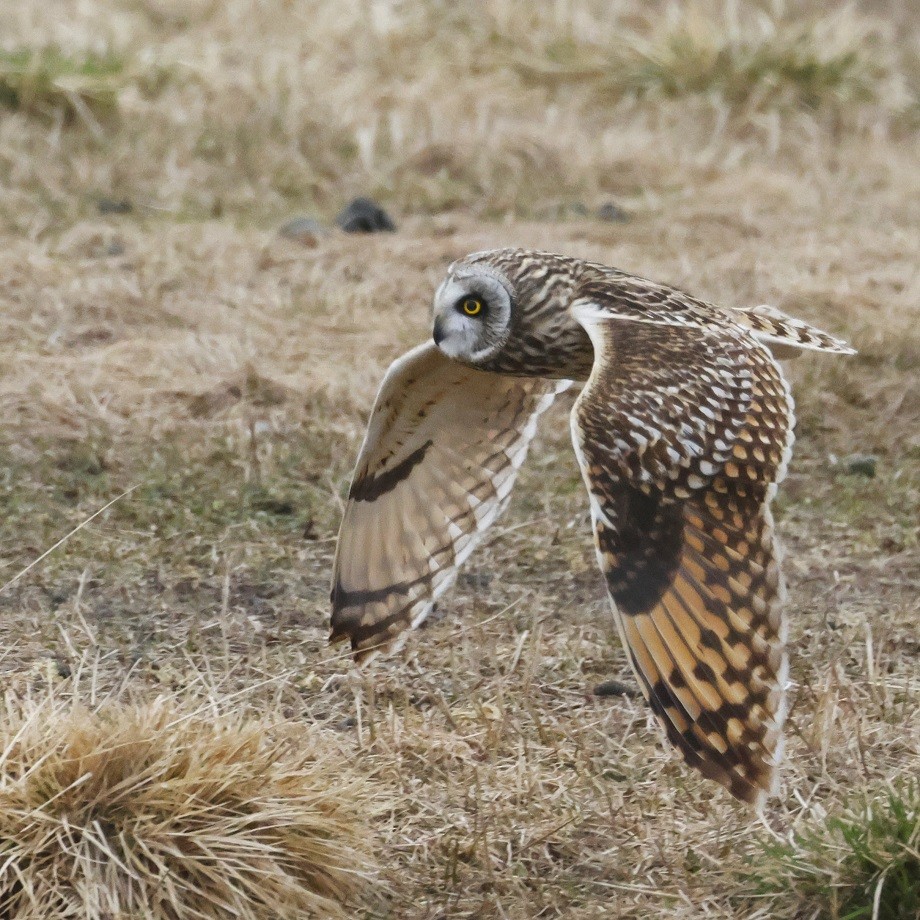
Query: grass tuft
{"points": [[157, 811], [48, 81], [863, 864], [792, 66], [765, 62]]}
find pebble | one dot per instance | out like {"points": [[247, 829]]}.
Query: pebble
{"points": [[612, 213], [615, 688], [364, 216], [861, 465], [306, 230], [113, 206]]}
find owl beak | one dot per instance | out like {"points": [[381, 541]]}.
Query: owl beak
{"points": [[439, 333]]}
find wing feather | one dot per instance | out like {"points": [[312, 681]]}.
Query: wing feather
{"points": [[786, 336], [443, 448], [682, 432]]}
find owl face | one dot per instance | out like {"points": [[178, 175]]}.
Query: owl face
{"points": [[472, 313], [505, 310]]}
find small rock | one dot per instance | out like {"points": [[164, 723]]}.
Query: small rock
{"points": [[62, 667], [861, 465], [271, 504], [114, 248], [364, 216], [58, 596], [615, 688], [612, 213], [305, 230], [112, 206], [476, 581]]}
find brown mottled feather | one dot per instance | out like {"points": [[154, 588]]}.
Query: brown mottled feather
{"points": [[680, 456], [442, 451], [785, 336]]}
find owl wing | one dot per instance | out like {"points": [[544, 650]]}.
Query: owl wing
{"points": [[786, 336], [681, 432], [442, 450]]}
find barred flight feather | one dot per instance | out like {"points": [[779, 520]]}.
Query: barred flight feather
{"points": [[442, 451], [685, 537]]}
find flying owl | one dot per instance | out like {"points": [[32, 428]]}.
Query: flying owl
{"points": [[682, 430]]}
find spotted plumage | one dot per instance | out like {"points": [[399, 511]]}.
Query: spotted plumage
{"points": [[682, 430]]}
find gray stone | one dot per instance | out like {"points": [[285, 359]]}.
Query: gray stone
{"points": [[303, 229], [364, 216], [615, 688], [861, 465], [613, 213], [113, 206]]}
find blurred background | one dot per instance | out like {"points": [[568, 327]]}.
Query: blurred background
{"points": [[250, 109], [186, 312]]}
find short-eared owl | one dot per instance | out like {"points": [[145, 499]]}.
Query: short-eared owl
{"points": [[682, 430]]}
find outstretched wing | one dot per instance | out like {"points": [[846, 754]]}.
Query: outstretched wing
{"points": [[442, 451], [682, 432]]}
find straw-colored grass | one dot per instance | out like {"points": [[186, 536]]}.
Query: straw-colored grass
{"points": [[765, 152], [758, 62], [170, 812]]}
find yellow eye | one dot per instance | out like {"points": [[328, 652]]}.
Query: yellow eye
{"points": [[472, 306]]}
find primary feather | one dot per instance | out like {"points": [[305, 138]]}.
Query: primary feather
{"points": [[443, 448]]}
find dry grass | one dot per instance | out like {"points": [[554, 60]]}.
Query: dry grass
{"points": [[511, 107], [168, 811], [765, 153]]}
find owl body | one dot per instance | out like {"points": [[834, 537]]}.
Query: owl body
{"points": [[682, 430], [544, 338]]}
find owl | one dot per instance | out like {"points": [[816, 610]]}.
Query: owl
{"points": [[682, 430]]}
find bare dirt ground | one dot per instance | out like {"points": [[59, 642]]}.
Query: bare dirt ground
{"points": [[186, 351]]}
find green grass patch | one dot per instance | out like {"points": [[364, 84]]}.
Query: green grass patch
{"points": [[784, 65], [49, 81], [864, 863]]}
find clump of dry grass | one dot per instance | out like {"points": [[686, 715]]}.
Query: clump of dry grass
{"points": [[753, 59], [161, 811], [775, 62]]}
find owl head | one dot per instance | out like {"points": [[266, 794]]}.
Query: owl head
{"points": [[472, 311], [506, 310]]}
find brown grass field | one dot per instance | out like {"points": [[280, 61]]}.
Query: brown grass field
{"points": [[765, 152]]}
